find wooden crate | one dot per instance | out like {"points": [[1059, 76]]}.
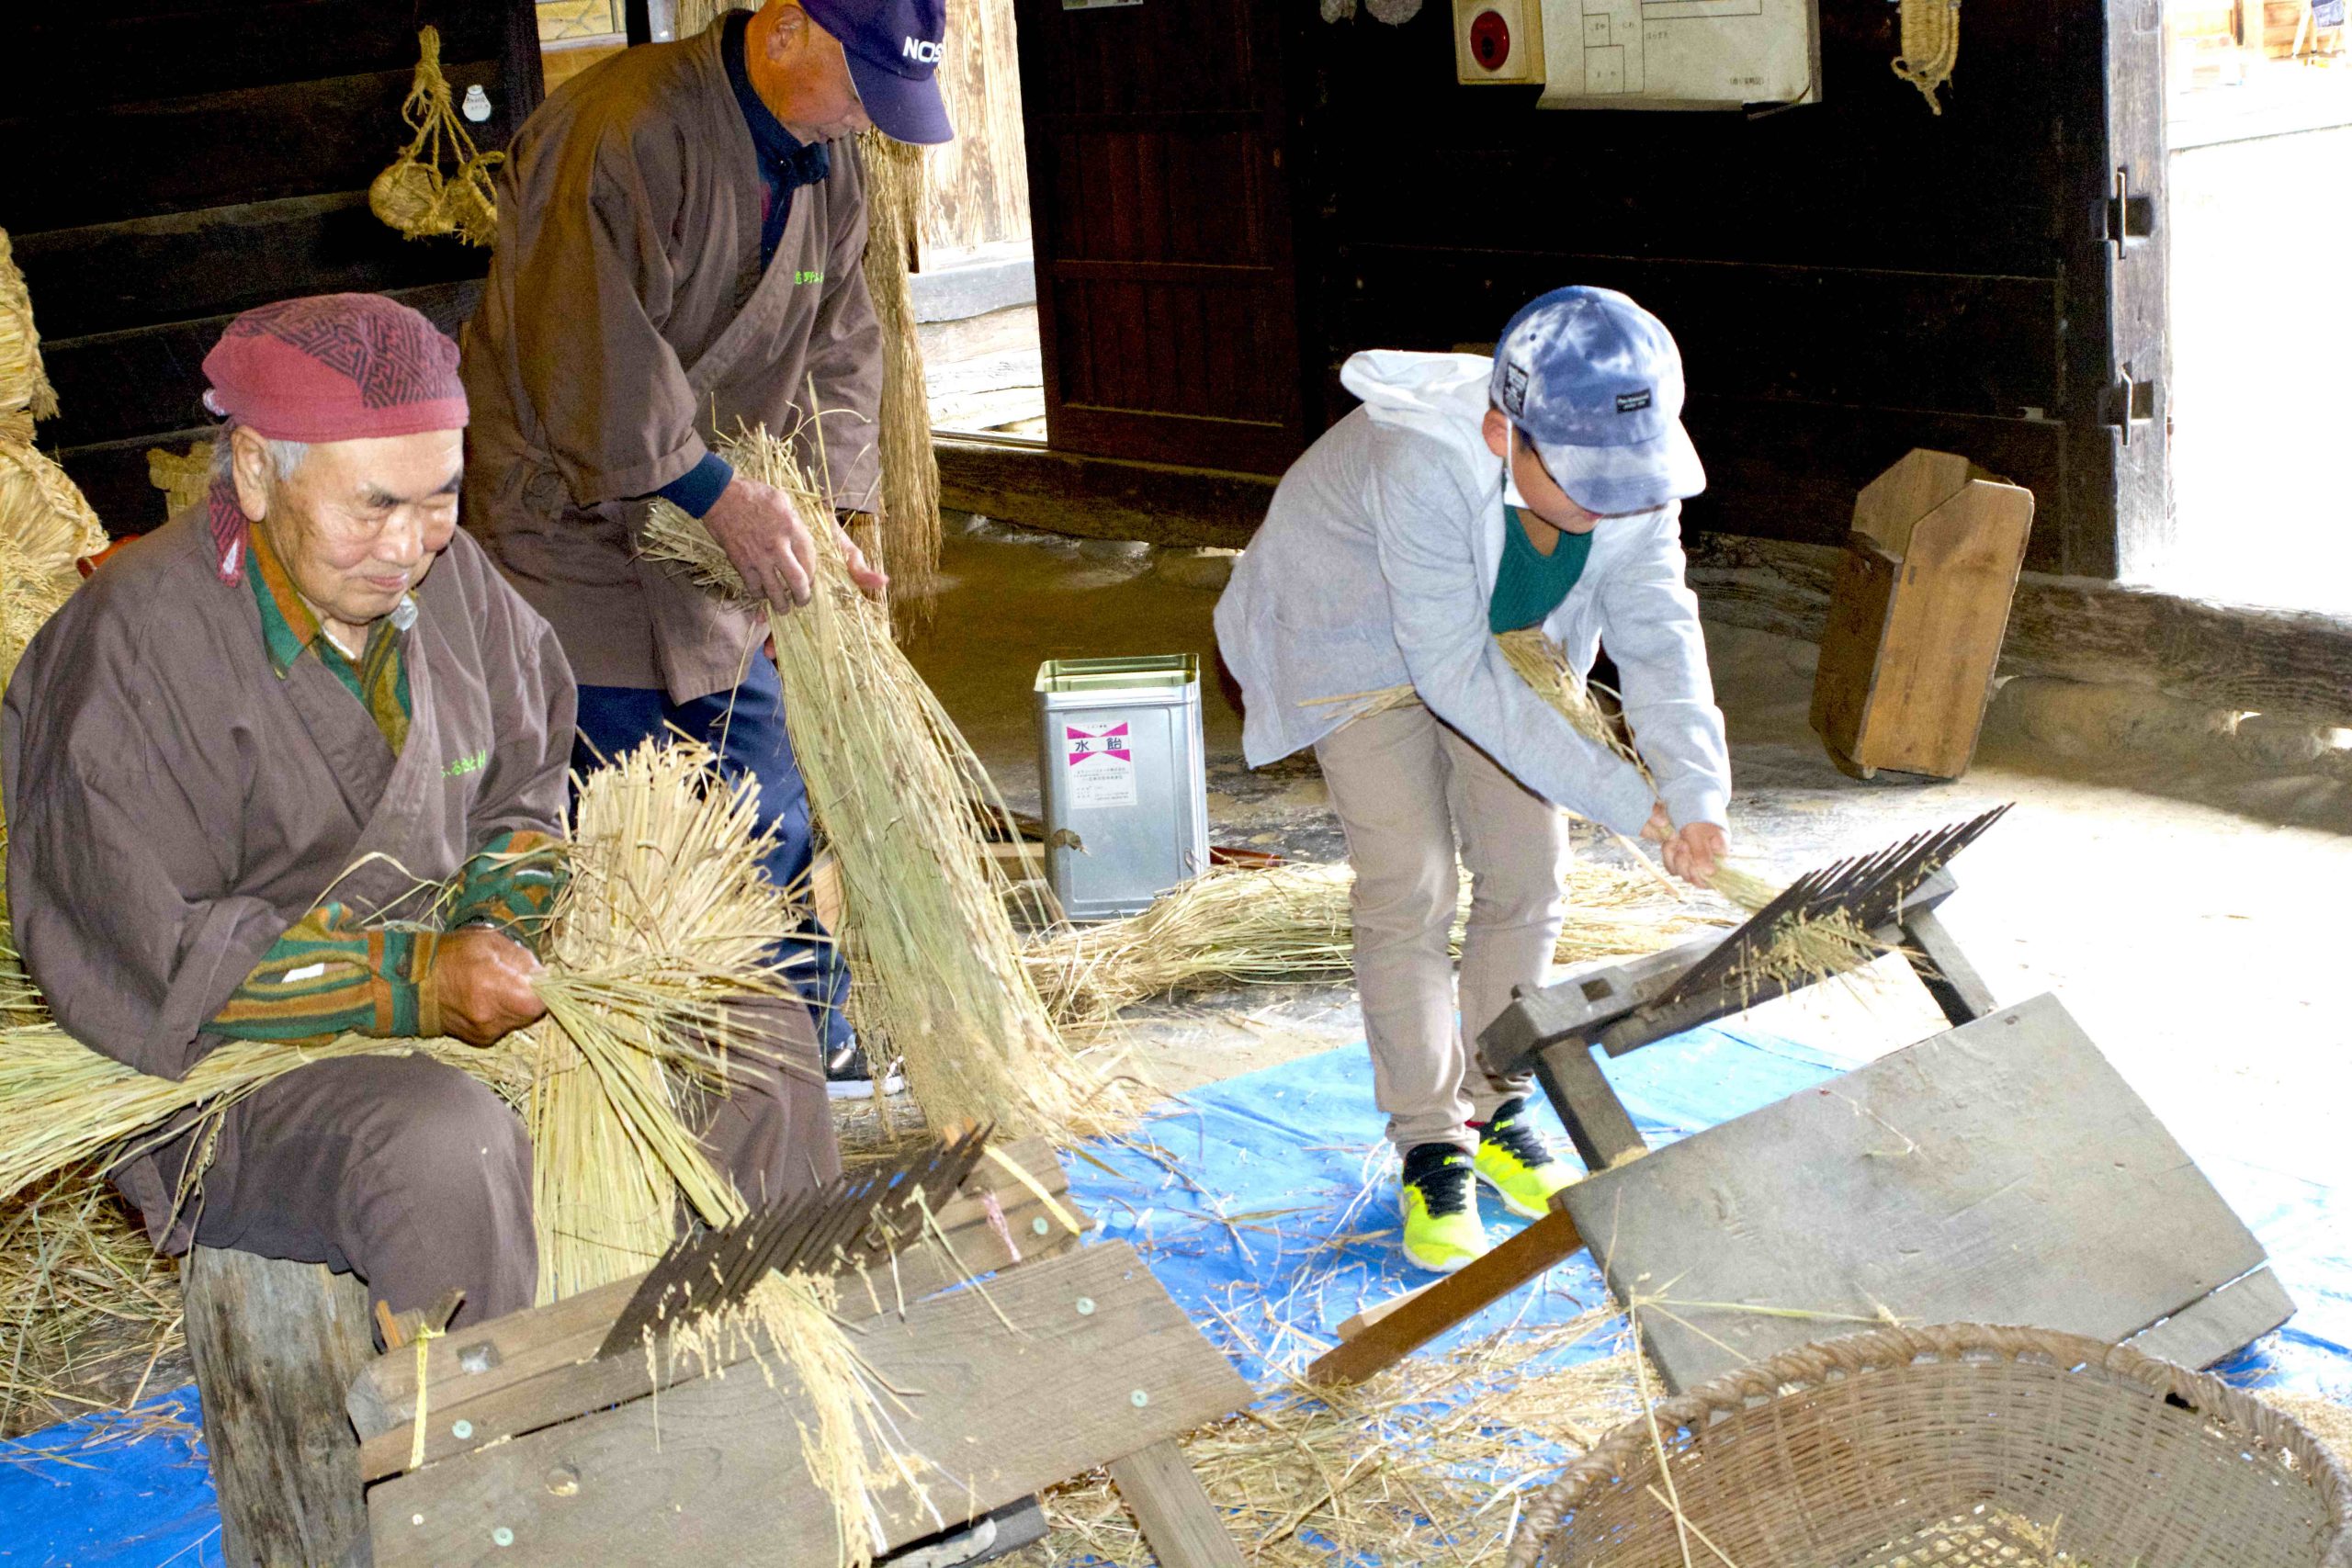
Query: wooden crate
{"points": [[1916, 616]]}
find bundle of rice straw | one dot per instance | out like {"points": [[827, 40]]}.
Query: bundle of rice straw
{"points": [[184, 477], [1287, 924], [24, 381], [1805, 949], [909, 545], [790, 1317], [667, 918], [930, 946]]}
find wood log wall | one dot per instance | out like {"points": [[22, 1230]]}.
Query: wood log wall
{"points": [[170, 162]]}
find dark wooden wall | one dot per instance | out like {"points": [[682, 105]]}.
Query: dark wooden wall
{"points": [[1847, 279], [170, 162]]}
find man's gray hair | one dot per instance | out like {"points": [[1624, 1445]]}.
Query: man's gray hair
{"points": [[285, 456]]}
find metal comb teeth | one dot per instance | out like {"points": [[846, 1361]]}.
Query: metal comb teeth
{"points": [[849, 1223], [1870, 888]]}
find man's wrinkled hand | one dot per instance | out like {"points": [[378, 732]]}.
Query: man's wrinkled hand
{"points": [[1696, 852], [762, 533], [482, 980]]}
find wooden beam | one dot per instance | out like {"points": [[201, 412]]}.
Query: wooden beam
{"points": [[1183, 1528], [1429, 1312], [2228, 656], [1099, 498]]}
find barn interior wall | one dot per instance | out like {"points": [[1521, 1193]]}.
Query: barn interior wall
{"points": [[1847, 279]]}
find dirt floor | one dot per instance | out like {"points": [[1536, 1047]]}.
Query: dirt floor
{"points": [[2194, 935]]}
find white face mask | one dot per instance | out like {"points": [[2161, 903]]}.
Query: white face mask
{"points": [[1511, 496]]}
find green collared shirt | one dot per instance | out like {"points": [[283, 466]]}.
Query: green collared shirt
{"points": [[290, 627]]}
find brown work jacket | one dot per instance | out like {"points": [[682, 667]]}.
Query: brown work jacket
{"points": [[626, 323], [173, 805]]}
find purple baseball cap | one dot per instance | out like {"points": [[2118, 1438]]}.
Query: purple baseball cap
{"points": [[893, 48], [1596, 382]]}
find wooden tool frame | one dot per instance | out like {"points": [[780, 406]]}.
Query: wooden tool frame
{"points": [[536, 1450], [1615, 1005]]}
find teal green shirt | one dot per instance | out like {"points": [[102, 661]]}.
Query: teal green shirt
{"points": [[1529, 584]]}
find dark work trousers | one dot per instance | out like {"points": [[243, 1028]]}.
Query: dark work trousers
{"points": [[746, 729], [411, 1175]]}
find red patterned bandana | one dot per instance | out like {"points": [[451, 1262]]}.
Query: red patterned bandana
{"points": [[330, 367]]}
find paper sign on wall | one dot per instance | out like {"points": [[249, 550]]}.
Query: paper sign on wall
{"points": [[1100, 768]]}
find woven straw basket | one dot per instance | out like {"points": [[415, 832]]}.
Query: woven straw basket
{"points": [[1940, 1447]]}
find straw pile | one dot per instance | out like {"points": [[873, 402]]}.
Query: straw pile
{"points": [[88, 1310], [937, 965], [1289, 924], [1430, 1462], [909, 543], [666, 919], [24, 382]]}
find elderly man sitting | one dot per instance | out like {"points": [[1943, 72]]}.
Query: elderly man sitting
{"points": [[237, 763]]}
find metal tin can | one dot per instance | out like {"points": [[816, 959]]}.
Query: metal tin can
{"points": [[1120, 764]]}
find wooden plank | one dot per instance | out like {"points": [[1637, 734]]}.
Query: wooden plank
{"points": [[114, 386], [1100, 498], [1944, 969], [1486, 1280], [274, 1343], [1183, 1528], [493, 1359], [1596, 1119], [711, 1470], [1847, 676], [2230, 658], [977, 187], [208, 149], [2003, 1172], [2220, 1324], [183, 47], [182, 267]]}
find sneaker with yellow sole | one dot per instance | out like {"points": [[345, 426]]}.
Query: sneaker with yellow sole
{"points": [[1442, 1229], [1514, 1160]]}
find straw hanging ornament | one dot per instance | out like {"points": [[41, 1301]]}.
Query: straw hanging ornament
{"points": [[1931, 46], [24, 384], [412, 195]]}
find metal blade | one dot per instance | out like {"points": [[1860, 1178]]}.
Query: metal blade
{"points": [[850, 1222], [1870, 888]]}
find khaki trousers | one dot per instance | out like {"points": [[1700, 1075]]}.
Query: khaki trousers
{"points": [[1407, 792]]}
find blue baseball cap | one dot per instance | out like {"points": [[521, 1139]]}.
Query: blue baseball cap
{"points": [[893, 48], [1595, 383]]}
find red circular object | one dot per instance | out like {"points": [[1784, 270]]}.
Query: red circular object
{"points": [[1490, 39]]}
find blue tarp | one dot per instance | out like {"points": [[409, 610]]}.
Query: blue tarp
{"points": [[1263, 1205]]}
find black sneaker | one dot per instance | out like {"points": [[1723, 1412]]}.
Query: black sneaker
{"points": [[849, 1075], [1442, 1229]]}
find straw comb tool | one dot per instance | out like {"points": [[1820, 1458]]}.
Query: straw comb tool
{"points": [[851, 1221]]}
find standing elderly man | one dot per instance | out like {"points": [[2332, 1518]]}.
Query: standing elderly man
{"points": [[680, 248], [240, 766]]}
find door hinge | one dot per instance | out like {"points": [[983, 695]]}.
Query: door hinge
{"points": [[2129, 402], [2123, 218]]}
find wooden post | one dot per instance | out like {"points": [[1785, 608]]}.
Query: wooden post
{"points": [[276, 1346], [1183, 1528]]}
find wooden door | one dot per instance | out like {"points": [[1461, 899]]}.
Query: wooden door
{"points": [[1167, 301]]}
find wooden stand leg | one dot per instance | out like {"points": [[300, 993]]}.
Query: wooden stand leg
{"points": [[1436, 1308], [1945, 970], [1596, 1119], [1183, 1528], [276, 1345]]}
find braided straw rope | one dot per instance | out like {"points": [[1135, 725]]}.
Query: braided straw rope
{"points": [[1903, 1447], [1931, 46]]}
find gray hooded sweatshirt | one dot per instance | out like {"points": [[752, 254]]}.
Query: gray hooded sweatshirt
{"points": [[1375, 568]]}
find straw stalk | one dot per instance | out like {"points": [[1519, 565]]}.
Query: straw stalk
{"points": [[936, 961], [909, 544]]}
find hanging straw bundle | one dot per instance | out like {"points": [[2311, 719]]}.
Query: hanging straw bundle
{"points": [[24, 382], [937, 960], [1289, 924], [412, 195], [667, 918], [45, 528], [182, 478], [909, 544]]}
